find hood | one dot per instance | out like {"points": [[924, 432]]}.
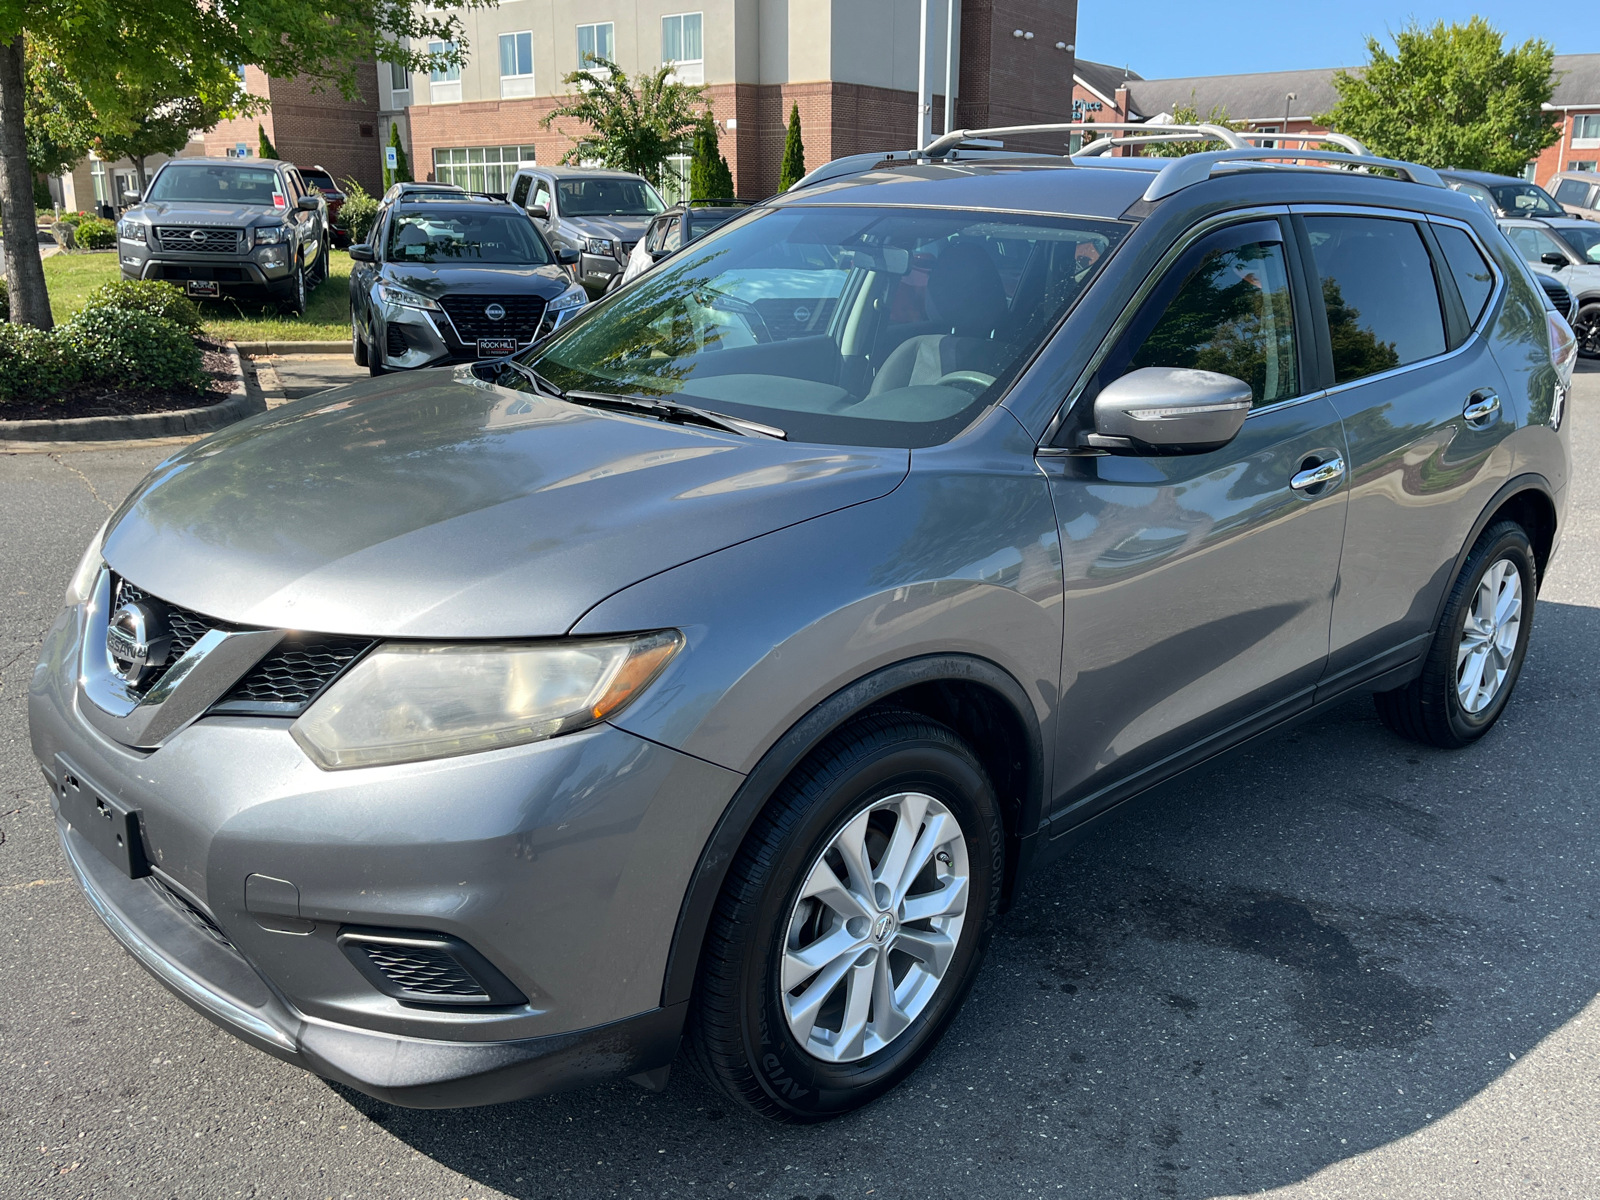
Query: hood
{"points": [[189, 213], [442, 279], [627, 229], [434, 505]]}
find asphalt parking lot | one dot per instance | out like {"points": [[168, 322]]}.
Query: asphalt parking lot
{"points": [[1341, 966]]}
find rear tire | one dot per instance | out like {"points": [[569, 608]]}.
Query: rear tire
{"points": [[1478, 649], [785, 1051]]}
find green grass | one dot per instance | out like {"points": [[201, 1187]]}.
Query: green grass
{"points": [[71, 277]]}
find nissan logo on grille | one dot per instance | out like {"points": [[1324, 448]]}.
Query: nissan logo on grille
{"points": [[137, 641], [495, 312], [197, 235]]}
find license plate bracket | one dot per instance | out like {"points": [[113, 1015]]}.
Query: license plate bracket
{"points": [[202, 287], [106, 823], [494, 347]]}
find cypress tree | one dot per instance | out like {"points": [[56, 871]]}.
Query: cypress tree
{"points": [[709, 176], [266, 149], [794, 154], [402, 169]]}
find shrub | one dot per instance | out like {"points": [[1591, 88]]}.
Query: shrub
{"points": [[149, 296], [72, 218], [132, 348], [42, 199], [358, 212], [35, 364], [95, 234]]}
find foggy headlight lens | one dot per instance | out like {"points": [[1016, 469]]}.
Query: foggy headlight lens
{"points": [[81, 589], [573, 297], [599, 245], [272, 235], [389, 294], [410, 701]]}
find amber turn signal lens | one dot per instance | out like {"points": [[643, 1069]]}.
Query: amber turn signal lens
{"points": [[649, 656]]}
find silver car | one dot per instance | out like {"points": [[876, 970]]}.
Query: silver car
{"points": [[709, 675], [599, 215]]}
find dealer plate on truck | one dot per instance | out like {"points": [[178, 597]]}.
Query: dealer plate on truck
{"points": [[494, 347], [202, 287], [105, 822]]}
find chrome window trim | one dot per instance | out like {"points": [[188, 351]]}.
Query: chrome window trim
{"points": [[1125, 318]]}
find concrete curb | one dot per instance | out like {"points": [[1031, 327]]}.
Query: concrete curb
{"points": [[294, 347], [140, 426]]}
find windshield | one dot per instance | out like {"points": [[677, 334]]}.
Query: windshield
{"points": [[1526, 200], [218, 184], [861, 326], [1584, 239], [465, 237], [607, 198]]}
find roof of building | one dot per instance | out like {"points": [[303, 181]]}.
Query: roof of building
{"points": [[1101, 79], [1258, 97], [1577, 80]]}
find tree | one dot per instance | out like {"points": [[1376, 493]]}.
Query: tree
{"points": [[1450, 96], [1189, 114], [265, 149], [709, 176], [164, 126], [793, 169], [633, 126], [114, 49], [402, 169]]}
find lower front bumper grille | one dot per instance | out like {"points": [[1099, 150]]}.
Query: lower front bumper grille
{"points": [[470, 315], [426, 968]]}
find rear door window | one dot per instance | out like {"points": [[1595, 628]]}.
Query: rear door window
{"points": [[1474, 279], [1379, 291], [519, 190], [1573, 191]]}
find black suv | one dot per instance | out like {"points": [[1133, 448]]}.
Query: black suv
{"points": [[674, 229], [454, 277], [226, 226]]}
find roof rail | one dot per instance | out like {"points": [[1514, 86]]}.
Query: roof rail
{"points": [[1310, 139], [1196, 168], [989, 139], [1152, 132]]}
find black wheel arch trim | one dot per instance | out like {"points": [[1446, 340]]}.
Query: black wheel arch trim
{"points": [[1528, 482], [694, 915]]}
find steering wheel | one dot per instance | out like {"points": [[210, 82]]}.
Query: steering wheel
{"points": [[975, 381]]}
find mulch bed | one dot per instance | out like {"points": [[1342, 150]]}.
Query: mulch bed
{"points": [[105, 400]]}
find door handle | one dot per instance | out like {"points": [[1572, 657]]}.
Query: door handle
{"points": [[1329, 472], [1482, 408]]}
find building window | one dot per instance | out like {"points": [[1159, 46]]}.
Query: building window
{"points": [[1585, 165], [675, 180], [481, 168], [516, 64], [1270, 143], [444, 83], [596, 41], [1586, 128], [399, 78], [681, 47]]}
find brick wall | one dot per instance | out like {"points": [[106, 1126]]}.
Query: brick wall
{"points": [[1560, 156], [308, 126]]}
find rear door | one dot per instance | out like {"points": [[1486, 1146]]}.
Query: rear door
{"points": [[1408, 368], [1199, 588]]}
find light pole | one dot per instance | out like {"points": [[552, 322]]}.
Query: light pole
{"points": [[1290, 96]]}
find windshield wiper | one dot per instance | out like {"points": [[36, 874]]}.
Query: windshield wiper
{"points": [[540, 383], [671, 410]]}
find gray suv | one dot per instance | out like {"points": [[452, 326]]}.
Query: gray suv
{"points": [[710, 674], [229, 227], [598, 214]]}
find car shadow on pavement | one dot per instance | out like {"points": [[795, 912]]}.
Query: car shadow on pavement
{"points": [[1331, 941]]}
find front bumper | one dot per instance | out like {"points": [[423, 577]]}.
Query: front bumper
{"points": [[233, 275], [563, 863]]}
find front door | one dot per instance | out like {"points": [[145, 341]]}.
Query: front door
{"points": [[1199, 588]]}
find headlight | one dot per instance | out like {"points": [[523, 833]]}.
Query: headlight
{"points": [[389, 294], [272, 235], [573, 297], [131, 231], [600, 246], [81, 589], [408, 701]]}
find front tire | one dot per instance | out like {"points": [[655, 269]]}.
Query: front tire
{"points": [[1478, 649], [358, 347], [295, 305], [852, 922], [1586, 324]]}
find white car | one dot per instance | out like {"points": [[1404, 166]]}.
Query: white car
{"points": [[1568, 250]]}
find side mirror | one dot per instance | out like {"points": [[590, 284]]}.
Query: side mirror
{"points": [[566, 255], [1169, 410], [308, 203], [362, 253], [539, 212], [1553, 258], [130, 197]]}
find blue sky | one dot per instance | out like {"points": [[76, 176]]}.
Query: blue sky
{"points": [[1165, 38]]}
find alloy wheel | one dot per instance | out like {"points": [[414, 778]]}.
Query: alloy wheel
{"points": [[875, 927], [1586, 325], [1489, 636]]}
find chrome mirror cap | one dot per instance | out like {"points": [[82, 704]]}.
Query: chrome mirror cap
{"points": [[1169, 410]]}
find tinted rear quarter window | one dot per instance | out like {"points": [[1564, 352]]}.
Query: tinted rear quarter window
{"points": [[1378, 288], [1474, 279]]}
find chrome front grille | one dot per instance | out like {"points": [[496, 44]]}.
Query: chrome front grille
{"points": [[208, 241]]}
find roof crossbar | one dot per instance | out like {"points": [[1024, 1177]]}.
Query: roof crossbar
{"points": [[1152, 132], [942, 145], [1196, 168], [1343, 140]]}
